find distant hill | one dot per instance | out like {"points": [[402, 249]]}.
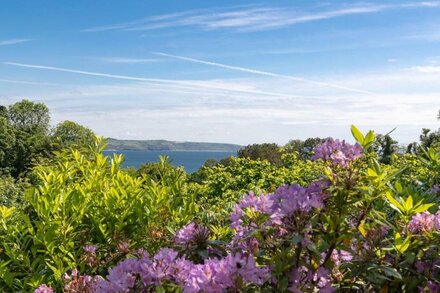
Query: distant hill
{"points": [[165, 145]]}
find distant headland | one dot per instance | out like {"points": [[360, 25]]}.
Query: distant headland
{"points": [[165, 145]]}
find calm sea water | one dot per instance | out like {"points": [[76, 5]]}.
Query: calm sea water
{"points": [[190, 160]]}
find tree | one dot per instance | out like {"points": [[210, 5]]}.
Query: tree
{"points": [[30, 117], [266, 151], [7, 141], [4, 112], [304, 148], [385, 146], [68, 133]]}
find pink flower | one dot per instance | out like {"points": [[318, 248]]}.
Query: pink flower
{"points": [[44, 289]]}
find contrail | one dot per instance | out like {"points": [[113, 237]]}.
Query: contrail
{"points": [[30, 82], [266, 73], [168, 81]]}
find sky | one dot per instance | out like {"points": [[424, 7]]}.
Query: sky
{"points": [[226, 71]]}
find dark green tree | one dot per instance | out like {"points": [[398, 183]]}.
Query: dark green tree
{"points": [[7, 141], [385, 146], [265, 151], [30, 117], [68, 133], [303, 147]]}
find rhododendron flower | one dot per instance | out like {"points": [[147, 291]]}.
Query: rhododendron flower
{"points": [[192, 234], [340, 256], [339, 153], [302, 279], [422, 223], [44, 289], [437, 220], [90, 249]]}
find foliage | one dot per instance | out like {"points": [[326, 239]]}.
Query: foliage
{"points": [[29, 117], [84, 198], [25, 136], [68, 133], [345, 217], [385, 146], [303, 148], [11, 192], [266, 151]]}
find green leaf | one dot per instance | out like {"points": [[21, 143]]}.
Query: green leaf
{"points": [[391, 272], [394, 203], [357, 134]]}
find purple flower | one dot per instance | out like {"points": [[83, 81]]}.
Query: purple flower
{"points": [[214, 275], [437, 221], [422, 223], [340, 256], [339, 153], [43, 289], [431, 287], [121, 278], [90, 249], [192, 234], [302, 279]]}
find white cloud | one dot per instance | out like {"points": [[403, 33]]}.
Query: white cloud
{"points": [[13, 41], [127, 60], [254, 18], [425, 69], [266, 73], [247, 108]]}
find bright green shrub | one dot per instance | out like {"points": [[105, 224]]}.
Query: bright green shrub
{"points": [[85, 198]]}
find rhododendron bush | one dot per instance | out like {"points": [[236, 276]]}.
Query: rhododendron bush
{"points": [[358, 225]]}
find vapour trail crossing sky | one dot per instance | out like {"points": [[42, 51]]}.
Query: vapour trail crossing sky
{"points": [[260, 71]]}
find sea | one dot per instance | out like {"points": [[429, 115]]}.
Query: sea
{"points": [[190, 160]]}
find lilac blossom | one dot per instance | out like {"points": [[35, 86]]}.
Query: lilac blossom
{"points": [[339, 153], [44, 289]]}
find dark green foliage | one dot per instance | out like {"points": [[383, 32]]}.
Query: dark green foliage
{"points": [[303, 148], [25, 136], [159, 170], [428, 139], [7, 140], [30, 117], [385, 146], [265, 151], [68, 133]]}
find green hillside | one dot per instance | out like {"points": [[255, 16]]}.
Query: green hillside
{"points": [[165, 145]]}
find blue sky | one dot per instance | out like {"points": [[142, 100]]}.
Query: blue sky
{"points": [[226, 71]]}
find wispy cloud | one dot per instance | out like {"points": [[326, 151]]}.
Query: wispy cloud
{"points": [[425, 69], [254, 18], [13, 41], [191, 83], [127, 60], [266, 73], [30, 82]]}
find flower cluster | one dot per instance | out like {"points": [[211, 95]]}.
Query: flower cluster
{"points": [[90, 258], [77, 283], [424, 222], [192, 235], [338, 152], [214, 275], [280, 206], [303, 279], [43, 288]]}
